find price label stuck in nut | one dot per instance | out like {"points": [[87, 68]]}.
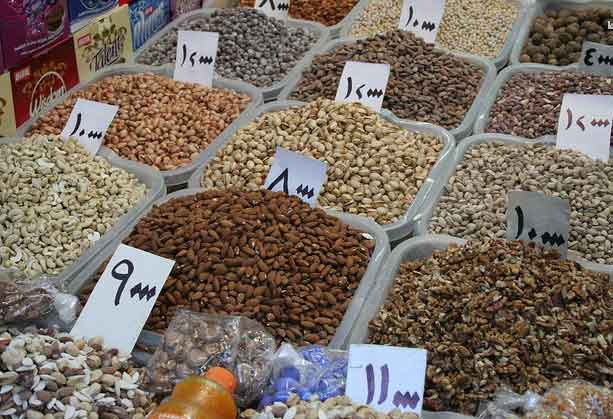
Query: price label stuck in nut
{"points": [[196, 54], [88, 123], [123, 297], [364, 83], [297, 175], [585, 123], [277, 9], [422, 17]]}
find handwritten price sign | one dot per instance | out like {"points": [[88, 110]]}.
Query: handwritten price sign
{"points": [[387, 377], [88, 123], [196, 54], [422, 17]]}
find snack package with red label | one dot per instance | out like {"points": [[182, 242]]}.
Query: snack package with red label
{"points": [[7, 110], [42, 80], [180, 7], [31, 27]]}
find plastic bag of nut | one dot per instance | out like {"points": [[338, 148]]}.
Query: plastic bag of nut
{"points": [[23, 300], [194, 342], [573, 399]]}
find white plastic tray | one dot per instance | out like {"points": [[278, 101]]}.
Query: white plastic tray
{"points": [[395, 231], [463, 130], [499, 61], [156, 189], [380, 253], [487, 102], [268, 93], [449, 167], [538, 9], [182, 174]]}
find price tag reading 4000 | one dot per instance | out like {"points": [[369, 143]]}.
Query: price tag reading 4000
{"points": [[422, 17], [387, 377], [364, 83], [123, 298]]}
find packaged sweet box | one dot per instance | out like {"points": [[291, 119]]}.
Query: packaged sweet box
{"points": [[81, 11], [31, 27], [146, 18], [36, 84], [179, 7], [7, 110], [107, 40]]}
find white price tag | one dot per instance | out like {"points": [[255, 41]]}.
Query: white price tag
{"points": [[277, 9], [422, 17], [196, 54], [387, 377], [585, 124], [597, 58], [88, 123], [123, 298], [296, 174], [364, 83], [545, 220]]}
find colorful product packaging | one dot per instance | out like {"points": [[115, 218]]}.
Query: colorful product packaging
{"points": [[44, 79], [7, 109], [104, 42], [1, 60], [146, 18], [31, 27], [81, 11], [179, 7]]}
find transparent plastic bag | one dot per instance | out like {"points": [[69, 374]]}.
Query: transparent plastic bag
{"points": [[195, 342], [567, 400], [309, 371], [24, 300]]}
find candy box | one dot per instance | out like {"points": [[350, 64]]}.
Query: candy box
{"points": [[81, 11], [1, 60], [42, 80], [146, 18], [31, 27], [179, 7], [7, 111], [104, 42]]}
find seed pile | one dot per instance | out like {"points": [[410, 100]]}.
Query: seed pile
{"points": [[326, 12], [252, 47], [263, 255], [56, 200], [556, 37], [339, 407], [45, 376], [423, 85], [156, 123], [528, 105], [375, 168], [475, 203], [498, 314], [468, 26]]}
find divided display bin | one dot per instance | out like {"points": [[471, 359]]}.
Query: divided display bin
{"points": [[450, 165], [155, 191], [539, 8], [180, 175], [463, 130], [395, 231], [500, 61], [269, 92], [367, 284]]}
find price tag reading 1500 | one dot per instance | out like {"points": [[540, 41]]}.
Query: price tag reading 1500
{"points": [[123, 298], [364, 83]]}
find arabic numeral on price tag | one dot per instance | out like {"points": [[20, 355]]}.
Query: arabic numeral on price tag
{"points": [[364, 83], [195, 59], [585, 124], [296, 175], [386, 377], [125, 294], [422, 17], [277, 9], [88, 123], [535, 217], [597, 58]]}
